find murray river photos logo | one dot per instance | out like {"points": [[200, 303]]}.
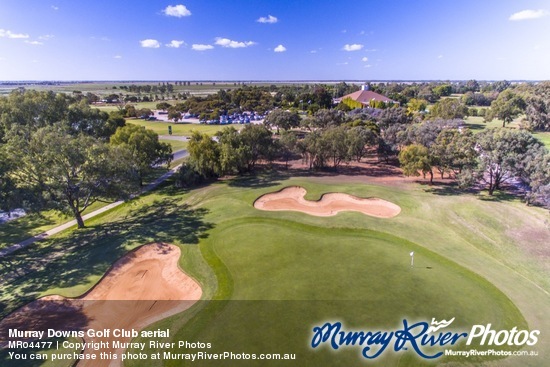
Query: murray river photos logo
{"points": [[419, 337]]}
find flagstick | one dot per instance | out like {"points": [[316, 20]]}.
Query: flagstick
{"points": [[412, 259]]}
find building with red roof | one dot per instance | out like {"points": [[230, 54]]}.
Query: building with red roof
{"points": [[364, 96]]}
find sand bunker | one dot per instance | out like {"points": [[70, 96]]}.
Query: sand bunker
{"points": [[292, 198], [143, 287]]}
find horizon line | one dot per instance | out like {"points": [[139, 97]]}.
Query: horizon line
{"points": [[67, 81]]}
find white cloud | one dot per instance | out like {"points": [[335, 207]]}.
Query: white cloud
{"points": [[313, 51], [440, 56], [226, 42], [150, 43], [368, 65], [175, 44], [199, 47], [46, 37], [55, 7], [34, 43], [2, 58], [353, 47], [9, 34], [280, 48], [528, 14], [117, 57], [365, 59], [177, 11], [269, 19]]}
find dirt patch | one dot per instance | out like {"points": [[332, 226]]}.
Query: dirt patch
{"points": [[292, 198], [143, 287]]}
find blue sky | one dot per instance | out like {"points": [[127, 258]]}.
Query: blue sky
{"points": [[274, 40]]}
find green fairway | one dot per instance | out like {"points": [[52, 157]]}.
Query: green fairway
{"points": [[275, 275], [180, 129], [175, 144], [544, 137], [477, 123]]}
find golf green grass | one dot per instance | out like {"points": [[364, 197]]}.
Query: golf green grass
{"points": [[287, 271], [288, 277]]}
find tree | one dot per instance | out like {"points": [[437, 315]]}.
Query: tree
{"points": [[538, 114], [163, 106], [336, 145], [449, 108], [204, 156], [326, 118], [174, 115], [23, 112], [80, 118], [282, 119], [144, 112], [258, 141], [502, 155], [27, 111], [468, 99], [506, 107], [232, 151], [537, 176], [414, 159], [8, 190], [314, 149], [443, 90], [416, 105], [472, 85], [288, 146], [145, 148], [501, 85], [453, 151], [357, 139], [68, 172], [352, 104]]}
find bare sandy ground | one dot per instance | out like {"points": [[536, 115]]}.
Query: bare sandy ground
{"points": [[292, 198], [143, 287]]}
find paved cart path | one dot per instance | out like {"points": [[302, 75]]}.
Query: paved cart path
{"points": [[55, 230]]}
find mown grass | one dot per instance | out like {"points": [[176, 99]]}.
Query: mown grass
{"points": [[181, 129], [15, 231], [544, 137], [175, 144], [293, 276], [477, 123], [307, 267]]}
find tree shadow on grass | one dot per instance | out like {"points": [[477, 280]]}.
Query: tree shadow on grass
{"points": [[452, 189], [69, 260], [476, 127], [23, 228], [259, 179], [446, 189], [499, 196]]}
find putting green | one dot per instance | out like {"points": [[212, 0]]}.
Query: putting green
{"points": [[288, 277]]}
